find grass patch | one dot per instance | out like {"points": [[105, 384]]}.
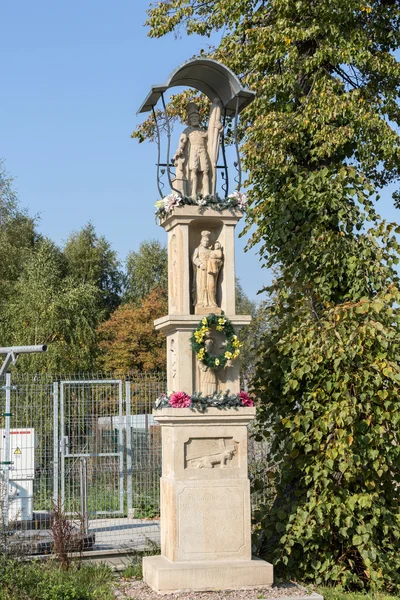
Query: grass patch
{"points": [[331, 593], [134, 569], [48, 581]]}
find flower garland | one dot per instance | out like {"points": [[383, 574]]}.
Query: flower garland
{"points": [[201, 403], [236, 200], [200, 336]]}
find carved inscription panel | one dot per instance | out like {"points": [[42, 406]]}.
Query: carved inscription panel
{"points": [[211, 453], [214, 518]]}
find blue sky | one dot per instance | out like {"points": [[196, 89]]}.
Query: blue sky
{"points": [[73, 75]]}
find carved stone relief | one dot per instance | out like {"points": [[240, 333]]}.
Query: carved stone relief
{"points": [[174, 271], [173, 358], [209, 453]]}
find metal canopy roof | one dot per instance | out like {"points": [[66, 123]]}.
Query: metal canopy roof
{"points": [[208, 76]]}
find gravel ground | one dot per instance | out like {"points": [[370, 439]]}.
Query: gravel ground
{"points": [[140, 591]]}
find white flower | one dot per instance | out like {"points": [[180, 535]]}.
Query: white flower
{"points": [[241, 198], [170, 201]]}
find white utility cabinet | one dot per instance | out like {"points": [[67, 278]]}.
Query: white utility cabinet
{"points": [[22, 472]]}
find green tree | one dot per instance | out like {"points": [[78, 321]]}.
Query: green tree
{"points": [[90, 259], [17, 238], [51, 308], [146, 269], [249, 336], [319, 142]]}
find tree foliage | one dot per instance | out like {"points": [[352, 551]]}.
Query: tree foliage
{"points": [[51, 308], [90, 259], [128, 340], [146, 269], [319, 142], [17, 237]]}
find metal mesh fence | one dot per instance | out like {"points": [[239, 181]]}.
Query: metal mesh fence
{"points": [[88, 450]]}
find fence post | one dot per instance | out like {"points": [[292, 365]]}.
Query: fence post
{"points": [[129, 450], [7, 452], [84, 495], [56, 447], [121, 450]]}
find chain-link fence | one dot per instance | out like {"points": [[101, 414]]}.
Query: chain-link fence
{"points": [[84, 450]]}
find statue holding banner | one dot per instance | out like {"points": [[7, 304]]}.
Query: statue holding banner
{"points": [[197, 154]]}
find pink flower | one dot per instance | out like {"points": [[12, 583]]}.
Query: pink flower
{"points": [[179, 400], [245, 399]]}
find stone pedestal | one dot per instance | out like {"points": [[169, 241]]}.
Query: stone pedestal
{"points": [[184, 226], [205, 504]]}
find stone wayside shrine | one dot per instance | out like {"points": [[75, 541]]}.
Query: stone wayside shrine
{"points": [[205, 491]]}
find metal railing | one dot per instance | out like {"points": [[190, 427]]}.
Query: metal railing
{"points": [[87, 445]]}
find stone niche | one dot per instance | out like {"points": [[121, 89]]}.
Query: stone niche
{"points": [[205, 504], [184, 227], [216, 228]]}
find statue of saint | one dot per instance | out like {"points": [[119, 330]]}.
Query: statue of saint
{"points": [[207, 262], [197, 154]]}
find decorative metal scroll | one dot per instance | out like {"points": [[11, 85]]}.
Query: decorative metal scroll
{"points": [[215, 81]]}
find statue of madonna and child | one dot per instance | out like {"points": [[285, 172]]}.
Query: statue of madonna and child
{"points": [[207, 262]]}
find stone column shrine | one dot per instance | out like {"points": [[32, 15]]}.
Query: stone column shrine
{"points": [[205, 490]]}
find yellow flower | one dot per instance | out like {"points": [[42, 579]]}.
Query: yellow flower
{"points": [[236, 343], [236, 354], [217, 362], [287, 40], [205, 329], [228, 355], [204, 321], [198, 335], [222, 321], [219, 328], [200, 354], [366, 9]]}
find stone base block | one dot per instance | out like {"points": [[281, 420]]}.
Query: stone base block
{"points": [[166, 577]]}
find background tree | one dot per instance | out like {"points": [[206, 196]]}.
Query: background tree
{"points": [[319, 141], [51, 308], [128, 340], [90, 259], [17, 238], [146, 269]]}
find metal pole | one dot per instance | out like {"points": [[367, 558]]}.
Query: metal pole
{"points": [[62, 446], [128, 450], [121, 452], [84, 495], [168, 146], [7, 451], [238, 163], [158, 138], [56, 447]]}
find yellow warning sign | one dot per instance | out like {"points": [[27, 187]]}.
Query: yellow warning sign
{"points": [[17, 451]]}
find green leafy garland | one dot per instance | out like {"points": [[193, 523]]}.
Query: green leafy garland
{"points": [[200, 403], [235, 201], [199, 339]]}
